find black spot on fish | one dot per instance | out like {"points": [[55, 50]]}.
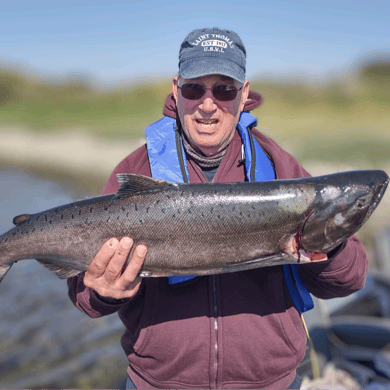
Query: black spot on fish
{"points": [[241, 213], [174, 215], [72, 216], [135, 207], [5, 240], [46, 217], [178, 211], [41, 229], [163, 211], [117, 218], [108, 219], [90, 210], [38, 218], [123, 209], [253, 207], [234, 208], [33, 230], [189, 211], [141, 221], [147, 209], [80, 212], [50, 222], [62, 216], [212, 209], [127, 214]]}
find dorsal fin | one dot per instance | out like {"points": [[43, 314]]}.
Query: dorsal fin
{"points": [[19, 219], [130, 184]]}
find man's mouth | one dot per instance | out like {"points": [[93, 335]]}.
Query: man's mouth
{"points": [[207, 122]]}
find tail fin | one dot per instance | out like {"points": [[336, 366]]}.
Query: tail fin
{"points": [[3, 270]]}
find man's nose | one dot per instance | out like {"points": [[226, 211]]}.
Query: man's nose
{"points": [[208, 103]]}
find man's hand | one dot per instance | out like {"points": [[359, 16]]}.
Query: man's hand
{"points": [[105, 274]]}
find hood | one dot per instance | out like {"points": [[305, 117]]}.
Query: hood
{"points": [[254, 100]]}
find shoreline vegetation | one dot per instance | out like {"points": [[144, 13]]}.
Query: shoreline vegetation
{"points": [[74, 132]]}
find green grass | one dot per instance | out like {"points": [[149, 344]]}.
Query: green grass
{"points": [[342, 119]]}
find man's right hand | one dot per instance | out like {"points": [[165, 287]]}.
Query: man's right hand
{"points": [[105, 274]]}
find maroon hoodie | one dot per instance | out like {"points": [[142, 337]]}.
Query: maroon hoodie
{"points": [[235, 330]]}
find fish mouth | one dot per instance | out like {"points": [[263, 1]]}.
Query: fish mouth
{"points": [[378, 197]]}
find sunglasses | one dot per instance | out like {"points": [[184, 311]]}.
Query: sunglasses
{"points": [[223, 92]]}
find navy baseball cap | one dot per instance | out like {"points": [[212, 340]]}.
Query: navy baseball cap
{"points": [[212, 51]]}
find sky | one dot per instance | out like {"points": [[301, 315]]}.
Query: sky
{"points": [[126, 41]]}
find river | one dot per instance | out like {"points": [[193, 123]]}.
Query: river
{"points": [[45, 341]]}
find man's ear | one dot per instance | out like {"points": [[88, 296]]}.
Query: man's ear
{"points": [[175, 90], [244, 95]]}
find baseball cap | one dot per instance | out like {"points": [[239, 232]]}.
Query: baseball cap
{"points": [[212, 51]]}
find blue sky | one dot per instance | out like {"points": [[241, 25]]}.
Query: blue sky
{"points": [[132, 40]]}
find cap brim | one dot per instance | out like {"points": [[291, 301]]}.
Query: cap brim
{"points": [[199, 67]]}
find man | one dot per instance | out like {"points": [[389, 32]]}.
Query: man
{"points": [[236, 330]]}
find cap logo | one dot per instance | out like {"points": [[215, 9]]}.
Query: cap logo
{"points": [[219, 42]]}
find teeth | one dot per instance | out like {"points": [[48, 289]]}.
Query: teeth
{"points": [[207, 122]]}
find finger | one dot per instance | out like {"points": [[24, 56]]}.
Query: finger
{"points": [[99, 263], [129, 278], [115, 266]]}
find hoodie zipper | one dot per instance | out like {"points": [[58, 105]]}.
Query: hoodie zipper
{"points": [[215, 308]]}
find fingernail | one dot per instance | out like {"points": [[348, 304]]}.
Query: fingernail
{"points": [[126, 242], [112, 243], [141, 250]]}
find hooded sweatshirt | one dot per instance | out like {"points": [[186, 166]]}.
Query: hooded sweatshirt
{"points": [[235, 330]]}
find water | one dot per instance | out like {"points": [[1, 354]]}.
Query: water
{"points": [[45, 341]]}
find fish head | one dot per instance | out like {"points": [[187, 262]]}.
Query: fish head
{"points": [[343, 203]]}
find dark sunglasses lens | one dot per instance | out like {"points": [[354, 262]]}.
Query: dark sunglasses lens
{"points": [[221, 92], [192, 91], [225, 92]]}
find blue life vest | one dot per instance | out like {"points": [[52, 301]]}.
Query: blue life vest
{"points": [[167, 161]]}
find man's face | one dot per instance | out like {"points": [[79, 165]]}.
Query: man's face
{"points": [[208, 123]]}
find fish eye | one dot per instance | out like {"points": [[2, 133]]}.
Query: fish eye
{"points": [[360, 203]]}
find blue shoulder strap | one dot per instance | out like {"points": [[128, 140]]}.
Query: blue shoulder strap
{"points": [[163, 153]]}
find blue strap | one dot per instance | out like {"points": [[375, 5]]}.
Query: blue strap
{"points": [[299, 293], [161, 145]]}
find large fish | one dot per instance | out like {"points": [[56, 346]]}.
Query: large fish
{"points": [[200, 229]]}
